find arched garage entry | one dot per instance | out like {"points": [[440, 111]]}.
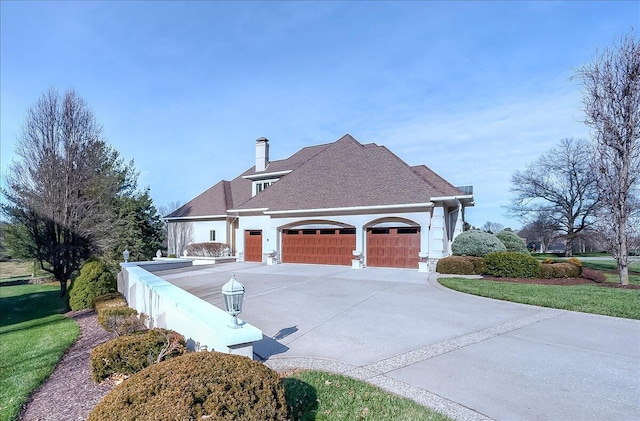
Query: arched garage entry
{"points": [[393, 242], [318, 242]]}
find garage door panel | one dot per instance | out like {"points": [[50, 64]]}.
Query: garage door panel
{"points": [[331, 247], [253, 246], [393, 247]]}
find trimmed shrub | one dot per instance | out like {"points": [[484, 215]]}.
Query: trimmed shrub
{"points": [[113, 299], [512, 242], [512, 265], [575, 261], [115, 315], [95, 279], [461, 265], [131, 353], [208, 249], [197, 386], [476, 243], [121, 320], [546, 270], [559, 270]]}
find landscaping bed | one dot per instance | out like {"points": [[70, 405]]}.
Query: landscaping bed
{"points": [[561, 281], [69, 393]]}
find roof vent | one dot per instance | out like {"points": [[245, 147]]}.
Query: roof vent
{"points": [[262, 153]]}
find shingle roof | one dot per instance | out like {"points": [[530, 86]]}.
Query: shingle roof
{"points": [[342, 174], [212, 201]]}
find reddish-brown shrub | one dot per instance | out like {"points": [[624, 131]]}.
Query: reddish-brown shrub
{"points": [[575, 261], [559, 270], [208, 249], [461, 265], [197, 386]]}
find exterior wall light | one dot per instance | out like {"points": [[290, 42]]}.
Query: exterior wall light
{"points": [[126, 255], [233, 292]]}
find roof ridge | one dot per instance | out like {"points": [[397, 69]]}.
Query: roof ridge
{"points": [[267, 192]]}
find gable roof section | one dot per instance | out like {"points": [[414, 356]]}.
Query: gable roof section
{"points": [[345, 174], [438, 186], [212, 201], [229, 194]]}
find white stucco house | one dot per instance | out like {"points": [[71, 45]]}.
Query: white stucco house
{"points": [[341, 203]]}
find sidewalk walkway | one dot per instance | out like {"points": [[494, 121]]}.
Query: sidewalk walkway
{"points": [[469, 357]]}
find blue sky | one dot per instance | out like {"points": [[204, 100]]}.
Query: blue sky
{"points": [[474, 90]]}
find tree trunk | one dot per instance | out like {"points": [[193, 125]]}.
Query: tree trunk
{"points": [[63, 288], [623, 256], [624, 275], [568, 247]]}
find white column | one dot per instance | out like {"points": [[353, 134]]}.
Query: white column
{"points": [[459, 227], [358, 262], [437, 236]]}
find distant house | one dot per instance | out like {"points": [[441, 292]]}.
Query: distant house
{"points": [[331, 204]]}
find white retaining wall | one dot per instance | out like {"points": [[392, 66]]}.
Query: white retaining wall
{"points": [[170, 307]]}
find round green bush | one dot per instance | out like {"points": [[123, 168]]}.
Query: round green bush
{"points": [[512, 242], [508, 264], [461, 265], [476, 243], [131, 353], [95, 279], [197, 386]]}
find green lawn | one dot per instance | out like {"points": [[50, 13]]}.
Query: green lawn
{"points": [[33, 337], [615, 302], [316, 395]]}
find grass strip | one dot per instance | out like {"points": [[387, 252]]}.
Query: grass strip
{"points": [[319, 396], [603, 300], [33, 337]]}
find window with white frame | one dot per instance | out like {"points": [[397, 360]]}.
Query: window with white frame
{"points": [[212, 235], [260, 185]]}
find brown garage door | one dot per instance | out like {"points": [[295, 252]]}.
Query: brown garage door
{"points": [[393, 247], [253, 246], [319, 246]]}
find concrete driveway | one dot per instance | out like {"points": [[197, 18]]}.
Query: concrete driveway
{"points": [[466, 356]]}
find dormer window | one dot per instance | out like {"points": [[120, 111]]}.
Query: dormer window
{"points": [[260, 185]]}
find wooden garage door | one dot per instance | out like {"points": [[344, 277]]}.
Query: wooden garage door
{"points": [[393, 247], [253, 246], [319, 246]]}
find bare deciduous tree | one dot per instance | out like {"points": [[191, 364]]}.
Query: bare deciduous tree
{"points": [[541, 230], [59, 193], [178, 233], [611, 100], [492, 227], [178, 236], [559, 185]]}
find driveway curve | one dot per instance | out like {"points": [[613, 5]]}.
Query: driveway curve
{"points": [[470, 357]]}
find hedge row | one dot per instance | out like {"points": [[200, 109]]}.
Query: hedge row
{"points": [[163, 381], [508, 265], [197, 386]]}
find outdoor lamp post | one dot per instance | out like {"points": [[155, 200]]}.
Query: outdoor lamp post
{"points": [[126, 254], [233, 292]]}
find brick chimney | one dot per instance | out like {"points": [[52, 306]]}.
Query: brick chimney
{"points": [[262, 153]]}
